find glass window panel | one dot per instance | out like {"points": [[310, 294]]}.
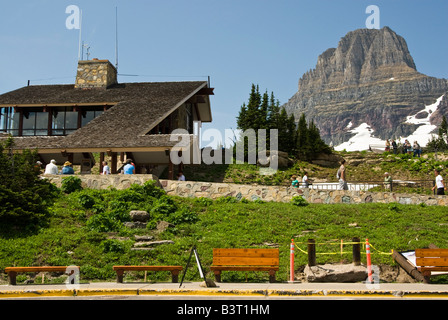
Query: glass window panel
{"points": [[28, 132], [58, 132], [2, 119], [13, 120], [29, 122], [58, 119], [41, 132], [41, 120], [87, 117], [71, 120]]}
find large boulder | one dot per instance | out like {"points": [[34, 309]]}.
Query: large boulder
{"points": [[335, 273]]}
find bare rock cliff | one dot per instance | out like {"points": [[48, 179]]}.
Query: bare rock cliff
{"points": [[370, 77]]}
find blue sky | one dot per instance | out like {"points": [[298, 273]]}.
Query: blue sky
{"points": [[235, 42]]}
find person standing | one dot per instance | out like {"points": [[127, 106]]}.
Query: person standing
{"points": [[305, 180], [129, 167], [295, 182], [106, 169], [439, 185], [394, 146], [342, 176], [387, 182]]}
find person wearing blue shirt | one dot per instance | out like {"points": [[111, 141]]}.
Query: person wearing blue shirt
{"points": [[129, 167], [67, 169]]}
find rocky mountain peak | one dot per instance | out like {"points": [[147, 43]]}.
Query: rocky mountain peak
{"points": [[370, 78], [362, 56]]}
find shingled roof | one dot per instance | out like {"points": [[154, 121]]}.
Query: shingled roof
{"points": [[137, 108]]}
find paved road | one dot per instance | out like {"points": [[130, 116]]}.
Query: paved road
{"points": [[194, 290]]}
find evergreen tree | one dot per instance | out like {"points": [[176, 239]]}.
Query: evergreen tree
{"points": [[24, 196], [264, 112], [440, 143]]}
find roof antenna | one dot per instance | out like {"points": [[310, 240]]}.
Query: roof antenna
{"points": [[116, 38], [80, 36]]}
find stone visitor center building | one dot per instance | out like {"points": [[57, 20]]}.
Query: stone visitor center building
{"points": [[99, 115]]}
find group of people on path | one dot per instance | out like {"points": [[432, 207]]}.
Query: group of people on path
{"points": [[438, 188], [414, 149], [305, 181]]}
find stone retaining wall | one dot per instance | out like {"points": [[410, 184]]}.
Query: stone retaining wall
{"points": [[116, 181], [251, 192], [285, 194]]}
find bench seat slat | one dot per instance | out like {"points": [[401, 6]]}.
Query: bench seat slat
{"points": [[428, 253], [422, 269], [432, 262], [37, 269], [244, 268], [232, 261], [265, 253], [148, 268]]}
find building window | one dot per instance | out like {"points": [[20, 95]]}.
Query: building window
{"points": [[88, 115], [57, 121], [9, 121], [64, 121], [35, 123]]}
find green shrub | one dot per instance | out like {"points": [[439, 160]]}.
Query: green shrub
{"points": [[111, 245], [103, 222], [163, 207], [299, 201], [183, 215], [203, 201], [226, 199], [71, 184]]}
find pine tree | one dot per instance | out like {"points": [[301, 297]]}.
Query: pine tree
{"points": [[264, 112]]}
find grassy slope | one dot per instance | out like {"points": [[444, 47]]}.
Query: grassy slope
{"points": [[68, 242], [249, 225]]}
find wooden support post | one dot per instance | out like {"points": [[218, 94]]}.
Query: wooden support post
{"points": [[113, 165], [356, 252], [101, 162], [120, 276], [170, 171], [311, 252], [410, 269], [12, 278]]}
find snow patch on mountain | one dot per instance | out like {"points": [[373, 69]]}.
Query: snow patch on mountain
{"points": [[364, 137]]}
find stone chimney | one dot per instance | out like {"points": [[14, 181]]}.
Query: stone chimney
{"points": [[95, 74]]}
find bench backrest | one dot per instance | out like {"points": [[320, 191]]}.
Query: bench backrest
{"points": [[431, 257], [245, 257]]}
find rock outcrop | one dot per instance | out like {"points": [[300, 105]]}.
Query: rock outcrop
{"points": [[369, 78]]}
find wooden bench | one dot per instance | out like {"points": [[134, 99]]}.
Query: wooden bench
{"points": [[174, 271], [431, 260], [245, 260], [12, 271]]}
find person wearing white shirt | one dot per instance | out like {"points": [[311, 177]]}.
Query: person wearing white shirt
{"points": [[51, 168], [106, 169], [180, 176], [305, 181], [439, 183]]}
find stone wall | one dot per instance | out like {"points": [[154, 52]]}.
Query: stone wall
{"points": [[251, 192], [99, 182], [285, 194]]}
